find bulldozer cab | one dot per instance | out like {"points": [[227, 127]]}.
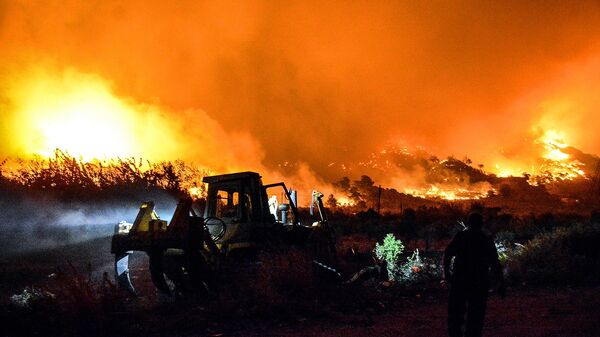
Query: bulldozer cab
{"points": [[230, 201], [241, 197], [246, 206]]}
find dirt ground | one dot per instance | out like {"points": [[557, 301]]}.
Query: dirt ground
{"points": [[525, 312]]}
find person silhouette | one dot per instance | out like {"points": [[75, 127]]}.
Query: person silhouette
{"points": [[474, 254]]}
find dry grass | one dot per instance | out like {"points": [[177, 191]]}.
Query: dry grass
{"points": [[69, 177]]}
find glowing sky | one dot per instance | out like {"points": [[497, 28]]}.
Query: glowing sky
{"points": [[260, 83]]}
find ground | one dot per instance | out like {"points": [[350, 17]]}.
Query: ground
{"points": [[527, 311], [530, 312]]}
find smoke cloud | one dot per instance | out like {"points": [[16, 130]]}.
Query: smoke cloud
{"points": [[33, 223], [257, 84]]}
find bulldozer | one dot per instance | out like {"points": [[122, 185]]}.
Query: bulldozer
{"points": [[240, 218]]}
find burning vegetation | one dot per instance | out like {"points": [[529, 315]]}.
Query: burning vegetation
{"points": [[407, 116], [232, 99], [563, 171], [71, 178], [58, 114]]}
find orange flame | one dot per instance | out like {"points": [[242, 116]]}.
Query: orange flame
{"points": [[557, 164], [450, 193], [80, 114]]}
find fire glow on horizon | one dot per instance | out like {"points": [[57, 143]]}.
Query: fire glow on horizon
{"points": [[250, 85], [82, 116]]}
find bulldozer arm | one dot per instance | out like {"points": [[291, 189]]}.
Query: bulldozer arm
{"points": [[179, 252]]}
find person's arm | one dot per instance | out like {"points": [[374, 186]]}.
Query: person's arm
{"points": [[448, 254]]}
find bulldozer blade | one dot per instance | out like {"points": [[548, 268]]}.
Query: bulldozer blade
{"points": [[122, 272]]}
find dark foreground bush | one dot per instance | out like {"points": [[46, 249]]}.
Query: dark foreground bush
{"points": [[567, 255], [69, 304]]}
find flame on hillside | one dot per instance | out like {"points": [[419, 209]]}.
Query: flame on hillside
{"points": [[557, 163], [344, 201], [451, 193], [81, 115], [554, 143], [420, 173]]}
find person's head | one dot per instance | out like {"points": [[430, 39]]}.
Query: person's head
{"points": [[475, 221]]}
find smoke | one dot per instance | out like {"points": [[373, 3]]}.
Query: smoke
{"points": [[295, 90], [252, 85], [31, 223]]}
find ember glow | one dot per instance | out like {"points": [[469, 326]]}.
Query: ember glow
{"points": [[344, 201], [449, 193]]}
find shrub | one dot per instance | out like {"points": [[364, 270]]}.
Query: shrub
{"points": [[390, 252], [31, 297], [411, 269], [70, 303], [566, 255], [503, 251]]}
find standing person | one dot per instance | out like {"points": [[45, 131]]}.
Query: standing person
{"points": [[474, 254]]}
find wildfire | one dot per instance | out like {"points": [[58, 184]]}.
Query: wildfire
{"points": [[449, 193], [553, 162], [194, 192], [344, 201], [557, 164], [503, 171], [554, 143], [81, 115]]}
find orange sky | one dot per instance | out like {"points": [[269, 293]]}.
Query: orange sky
{"points": [[319, 83]]}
